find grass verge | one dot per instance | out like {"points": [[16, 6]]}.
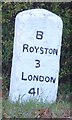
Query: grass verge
{"points": [[35, 109], [31, 109]]}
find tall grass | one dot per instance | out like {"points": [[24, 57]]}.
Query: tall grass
{"points": [[27, 109]]}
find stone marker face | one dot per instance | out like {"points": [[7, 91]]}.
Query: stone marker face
{"points": [[36, 55]]}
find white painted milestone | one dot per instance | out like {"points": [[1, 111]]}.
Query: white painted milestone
{"points": [[36, 56]]}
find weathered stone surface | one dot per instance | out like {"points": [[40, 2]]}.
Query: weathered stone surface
{"points": [[36, 55]]}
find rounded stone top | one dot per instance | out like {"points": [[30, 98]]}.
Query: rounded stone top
{"points": [[38, 13]]}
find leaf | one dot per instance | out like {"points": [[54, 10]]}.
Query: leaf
{"points": [[6, 116], [43, 113]]}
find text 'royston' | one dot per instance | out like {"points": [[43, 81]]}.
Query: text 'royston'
{"points": [[40, 50]]}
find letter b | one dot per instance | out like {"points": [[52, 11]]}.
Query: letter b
{"points": [[39, 35]]}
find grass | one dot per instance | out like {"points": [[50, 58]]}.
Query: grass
{"points": [[27, 109], [60, 109]]}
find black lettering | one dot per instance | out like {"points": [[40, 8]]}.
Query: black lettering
{"points": [[46, 50], [53, 79], [55, 51], [41, 49], [47, 79], [25, 46], [37, 91], [39, 35], [31, 49], [35, 77], [30, 77], [41, 78], [23, 77], [37, 64], [36, 48], [32, 91], [50, 51]]}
